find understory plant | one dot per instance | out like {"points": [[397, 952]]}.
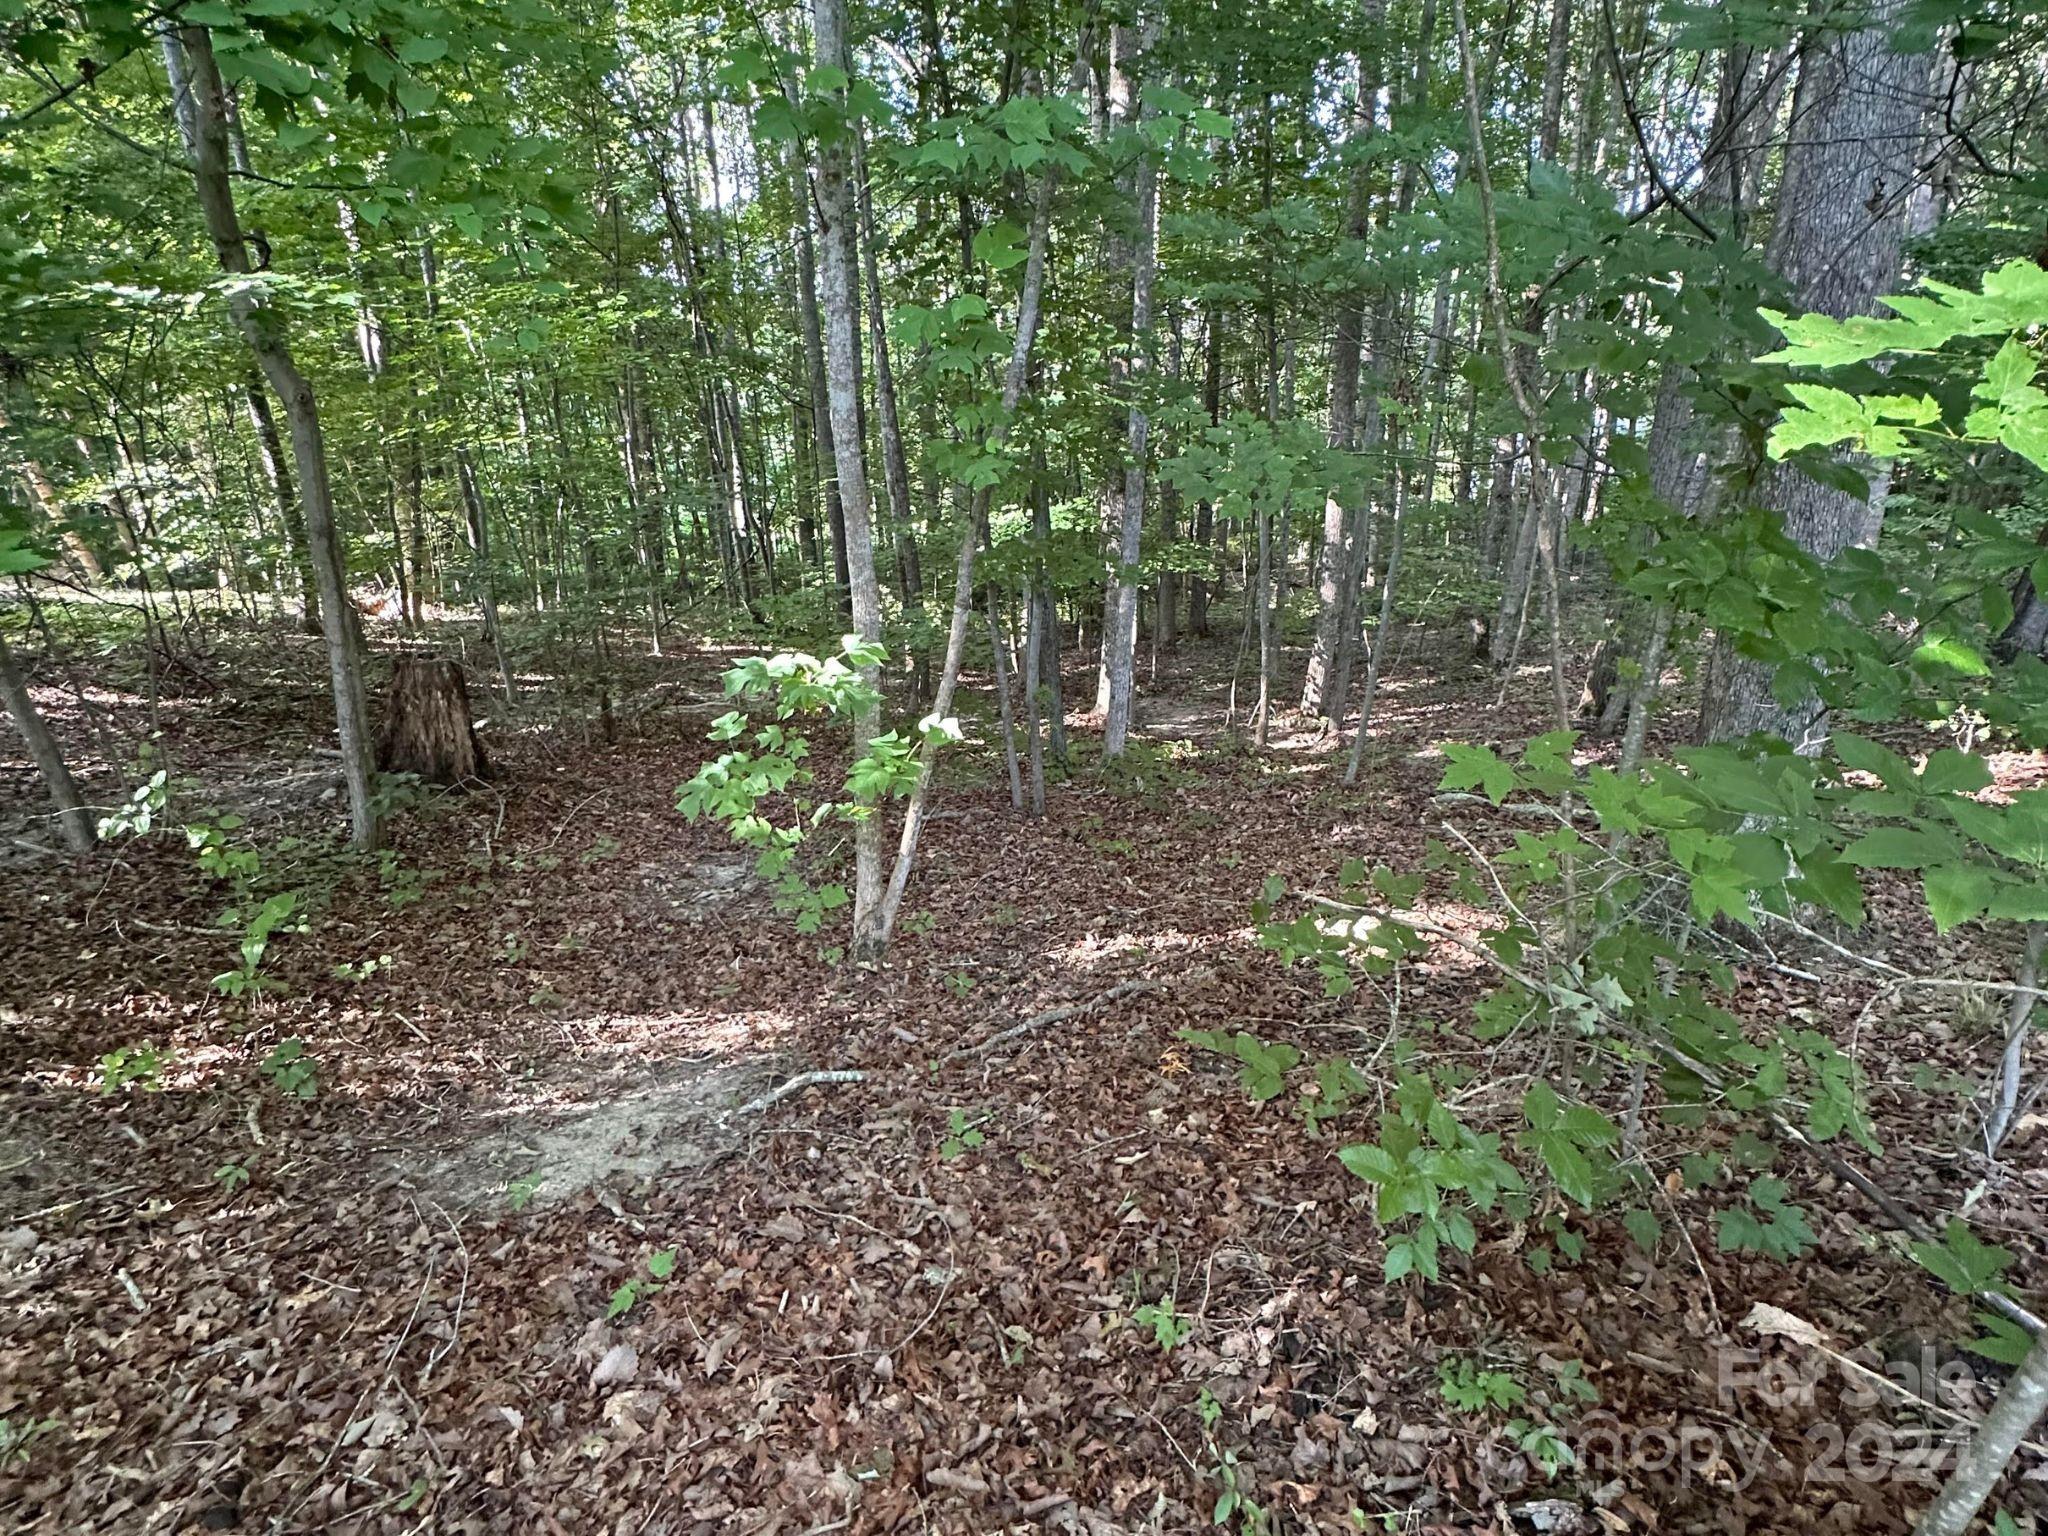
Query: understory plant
{"points": [[748, 786], [1616, 905]]}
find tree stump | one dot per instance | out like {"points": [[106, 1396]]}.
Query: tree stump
{"points": [[427, 728]]}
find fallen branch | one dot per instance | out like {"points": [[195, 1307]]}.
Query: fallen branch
{"points": [[798, 1084], [1063, 1012]]}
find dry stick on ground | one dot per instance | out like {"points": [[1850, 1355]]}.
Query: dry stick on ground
{"points": [[1894, 1212], [798, 1084], [1063, 1012], [805, 1080]]}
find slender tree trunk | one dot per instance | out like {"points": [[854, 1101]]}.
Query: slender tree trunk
{"points": [[836, 201], [188, 52], [1121, 637], [895, 465], [270, 455], [1014, 377], [2011, 1418], [1382, 632], [479, 524], [1346, 350], [81, 556], [74, 821]]}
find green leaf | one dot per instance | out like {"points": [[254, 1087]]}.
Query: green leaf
{"points": [[1951, 772], [1477, 767], [1540, 1105], [1957, 893], [1373, 1164], [1947, 651], [1899, 848]]}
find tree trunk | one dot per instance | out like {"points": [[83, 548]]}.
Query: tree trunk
{"points": [[74, 821], [480, 559], [1346, 351], [188, 53], [427, 726], [1849, 170], [270, 454], [838, 276], [1119, 642]]}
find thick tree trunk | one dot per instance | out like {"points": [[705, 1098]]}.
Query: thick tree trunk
{"points": [[1849, 172], [74, 821], [188, 52], [427, 726]]}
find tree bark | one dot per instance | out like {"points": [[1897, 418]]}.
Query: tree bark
{"points": [[835, 201], [2012, 1416], [74, 821], [427, 726], [1346, 351], [1119, 642], [188, 53], [1849, 172]]}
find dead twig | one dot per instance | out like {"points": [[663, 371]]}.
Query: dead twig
{"points": [[1063, 1012], [798, 1084]]}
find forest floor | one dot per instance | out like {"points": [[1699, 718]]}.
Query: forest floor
{"points": [[911, 1302]]}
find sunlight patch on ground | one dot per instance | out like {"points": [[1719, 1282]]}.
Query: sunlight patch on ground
{"points": [[601, 1134]]}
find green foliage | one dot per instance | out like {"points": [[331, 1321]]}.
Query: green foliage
{"points": [[963, 1134], [1170, 1328], [1546, 1451], [291, 1071], [740, 787], [133, 1065], [636, 1289], [1262, 1068], [1470, 1388], [1432, 1171], [276, 914], [18, 1437], [1768, 1224], [138, 818], [1963, 1262]]}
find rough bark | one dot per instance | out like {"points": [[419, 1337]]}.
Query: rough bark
{"points": [[1849, 172], [427, 727]]}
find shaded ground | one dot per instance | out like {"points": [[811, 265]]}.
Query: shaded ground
{"points": [[408, 1316]]}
